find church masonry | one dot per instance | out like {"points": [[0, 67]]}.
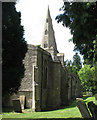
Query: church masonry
{"points": [[47, 84]]}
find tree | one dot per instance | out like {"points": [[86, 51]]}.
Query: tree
{"points": [[69, 65], [14, 48], [81, 18], [86, 75], [74, 66], [77, 61]]}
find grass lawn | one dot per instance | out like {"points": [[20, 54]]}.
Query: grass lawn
{"points": [[67, 112]]}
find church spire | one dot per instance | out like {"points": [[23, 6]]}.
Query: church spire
{"points": [[48, 40], [48, 13]]}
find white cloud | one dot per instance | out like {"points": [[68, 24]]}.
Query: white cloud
{"points": [[33, 18]]}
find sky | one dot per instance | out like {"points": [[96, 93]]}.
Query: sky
{"points": [[33, 16]]}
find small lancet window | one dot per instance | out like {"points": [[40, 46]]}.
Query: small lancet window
{"points": [[47, 20], [45, 45], [46, 32]]}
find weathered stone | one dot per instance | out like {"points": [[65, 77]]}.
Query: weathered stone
{"points": [[22, 101], [17, 105], [82, 108], [48, 41], [93, 109]]}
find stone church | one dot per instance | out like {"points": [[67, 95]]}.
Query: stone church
{"points": [[47, 84]]}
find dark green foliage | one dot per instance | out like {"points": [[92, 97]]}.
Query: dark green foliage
{"points": [[69, 65], [87, 77], [81, 18], [14, 48], [77, 61], [74, 66]]}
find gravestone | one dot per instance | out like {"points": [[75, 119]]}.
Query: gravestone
{"points": [[82, 108], [93, 109], [96, 99], [22, 101], [17, 105]]}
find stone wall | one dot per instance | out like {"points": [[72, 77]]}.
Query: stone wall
{"points": [[64, 87], [74, 87], [43, 69], [54, 85], [47, 94], [46, 83], [29, 61]]}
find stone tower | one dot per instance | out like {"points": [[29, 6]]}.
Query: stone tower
{"points": [[48, 40]]}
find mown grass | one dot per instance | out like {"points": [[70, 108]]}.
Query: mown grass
{"points": [[67, 112]]}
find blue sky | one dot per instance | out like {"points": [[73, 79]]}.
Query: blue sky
{"points": [[33, 15]]}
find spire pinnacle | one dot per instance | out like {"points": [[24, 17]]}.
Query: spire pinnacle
{"points": [[48, 40], [48, 13]]}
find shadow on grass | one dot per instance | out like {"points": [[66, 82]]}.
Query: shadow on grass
{"points": [[71, 104], [7, 109], [48, 119]]}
